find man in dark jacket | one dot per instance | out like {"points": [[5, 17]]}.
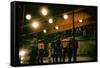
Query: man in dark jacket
{"points": [[58, 50], [72, 50]]}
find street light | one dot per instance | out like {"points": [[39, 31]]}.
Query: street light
{"points": [[50, 20], [35, 24], [44, 11], [65, 16], [28, 17]]}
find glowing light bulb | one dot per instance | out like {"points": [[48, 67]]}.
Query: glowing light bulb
{"points": [[56, 27], [65, 16], [50, 20], [44, 11], [21, 62], [80, 21], [28, 17], [22, 52], [45, 31], [22, 58], [35, 24]]}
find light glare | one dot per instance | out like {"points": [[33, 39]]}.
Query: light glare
{"points": [[35, 24], [44, 11], [28, 17], [21, 62], [44, 30], [50, 20], [80, 21], [22, 58], [22, 53], [65, 16], [56, 27]]}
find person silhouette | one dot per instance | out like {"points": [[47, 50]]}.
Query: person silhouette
{"points": [[72, 49], [33, 52], [58, 50], [75, 46], [40, 51], [64, 48], [33, 55]]}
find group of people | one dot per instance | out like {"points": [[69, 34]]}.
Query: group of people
{"points": [[57, 50]]}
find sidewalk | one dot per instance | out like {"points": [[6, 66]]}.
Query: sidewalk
{"points": [[79, 59]]}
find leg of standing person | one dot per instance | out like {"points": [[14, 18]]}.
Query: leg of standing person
{"points": [[75, 56], [64, 54], [69, 56], [60, 55]]}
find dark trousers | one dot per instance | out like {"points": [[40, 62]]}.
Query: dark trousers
{"points": [[64, 53], [58, 55], [40, 56], [72, 54], [75, 55], [69, 55]]}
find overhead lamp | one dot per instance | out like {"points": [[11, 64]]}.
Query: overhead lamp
{"points": [[56, 27], [22, 58], [80, 20], [65, 16], [44, 11], [35, 24], [22, 52], [50, 20], [28, 17], [45, 31], [21, 62]]}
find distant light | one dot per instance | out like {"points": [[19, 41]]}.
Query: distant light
{"points": [[44, 11], [65, 16], [50, 20], [28, 17], [22, 52], [21, 62], [22, 58], [80, 21], [45, 31], [56, 27], [35, 24]]}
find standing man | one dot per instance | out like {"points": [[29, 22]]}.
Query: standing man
{"points": [[64, 48], [33, 53], [75, 46], [40, 51], [72, 50], [58, 50]]}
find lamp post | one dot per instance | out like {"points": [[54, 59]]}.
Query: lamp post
{"points": [[73, 28]]}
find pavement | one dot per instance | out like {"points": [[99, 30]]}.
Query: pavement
{"points": [[79, 59]]}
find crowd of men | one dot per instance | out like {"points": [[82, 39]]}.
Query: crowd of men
{"points": [[57, 50]]}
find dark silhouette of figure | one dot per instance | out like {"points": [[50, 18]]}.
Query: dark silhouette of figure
{"points": [[64, 47], [75, 46], [58, 51], [72, 50], [33, 55], [40, 51], [54, 51]]}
